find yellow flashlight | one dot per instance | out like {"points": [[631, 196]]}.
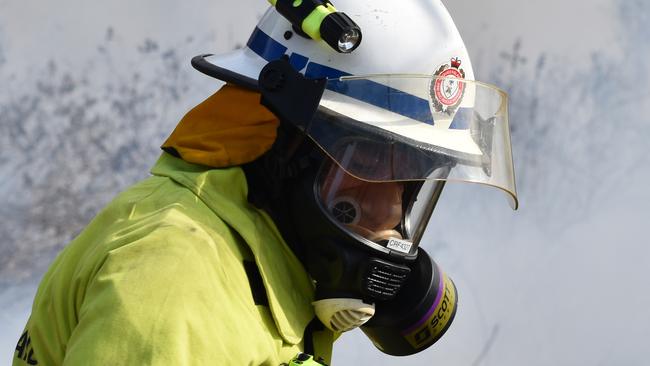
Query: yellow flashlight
{"points": [[318, 20]]}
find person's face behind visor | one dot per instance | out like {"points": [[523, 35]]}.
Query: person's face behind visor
{"points": [[372, 210]]}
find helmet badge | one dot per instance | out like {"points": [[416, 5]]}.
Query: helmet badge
{"points": [[447, 88]]}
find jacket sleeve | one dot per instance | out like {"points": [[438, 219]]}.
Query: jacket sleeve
{"points": [[164, 299]]}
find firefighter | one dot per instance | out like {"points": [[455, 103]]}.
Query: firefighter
{"points": [[290, 205]]}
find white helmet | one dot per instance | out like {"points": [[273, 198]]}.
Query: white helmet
{"points": [[399, 37], [412, 47]]}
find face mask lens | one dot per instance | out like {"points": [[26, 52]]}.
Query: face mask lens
{"points": [[372, 210], [389, 212]]}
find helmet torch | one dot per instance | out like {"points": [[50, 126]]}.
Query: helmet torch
{"points": [[318, 20]]}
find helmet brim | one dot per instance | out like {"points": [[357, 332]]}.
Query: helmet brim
{"points": [[240, 67]]}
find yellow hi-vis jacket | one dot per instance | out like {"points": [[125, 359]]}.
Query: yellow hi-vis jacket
{"points": [[178, 270]]}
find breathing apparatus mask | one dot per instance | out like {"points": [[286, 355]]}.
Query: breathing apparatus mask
{"points": [[372, 156]]}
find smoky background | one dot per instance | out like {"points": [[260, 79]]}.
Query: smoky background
{"points": [[89, 91]]}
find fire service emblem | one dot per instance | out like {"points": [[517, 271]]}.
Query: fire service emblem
{"points": [[447, 88]]}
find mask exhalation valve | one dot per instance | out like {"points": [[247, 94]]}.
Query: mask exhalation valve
{"points": [[383, 280]]}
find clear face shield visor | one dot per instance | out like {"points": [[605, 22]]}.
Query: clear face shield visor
{"points": [[393, 138]]}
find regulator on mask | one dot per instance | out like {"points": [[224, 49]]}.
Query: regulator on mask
{"points": [[360, 222]]}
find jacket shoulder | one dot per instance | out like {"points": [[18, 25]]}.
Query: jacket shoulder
{"points": [[154, 252]]}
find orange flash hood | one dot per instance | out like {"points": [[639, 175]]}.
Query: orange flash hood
{"points": [[229, 128]]}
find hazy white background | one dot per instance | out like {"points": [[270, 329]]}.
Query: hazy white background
{"points": [[89, 90]]}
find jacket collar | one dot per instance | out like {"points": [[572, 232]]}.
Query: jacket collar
{"points": [[224, 191]]}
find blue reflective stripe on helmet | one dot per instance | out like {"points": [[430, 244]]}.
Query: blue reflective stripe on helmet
{"points": [[384, 97], [265, 46], [316, 70], [368, 91], [298, 61]]}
